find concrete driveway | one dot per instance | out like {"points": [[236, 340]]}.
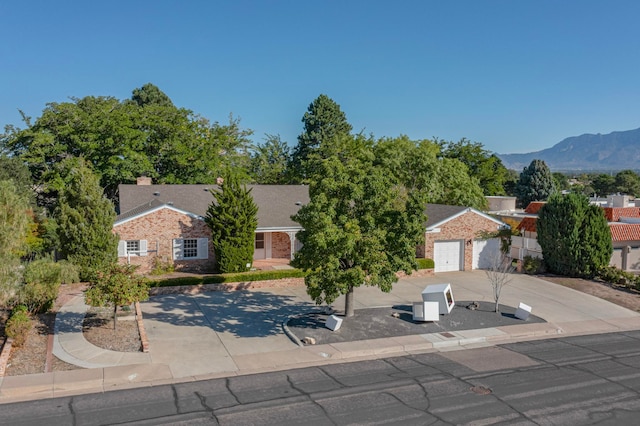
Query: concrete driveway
{"points": [[222, 332]]}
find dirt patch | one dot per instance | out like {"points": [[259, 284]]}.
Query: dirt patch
{"points": [[98, 329], [619, 295]]}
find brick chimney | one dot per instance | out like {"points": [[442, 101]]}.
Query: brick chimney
{"points": [[143, 180]]}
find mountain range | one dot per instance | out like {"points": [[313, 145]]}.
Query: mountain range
{"points": [[588, 152]]}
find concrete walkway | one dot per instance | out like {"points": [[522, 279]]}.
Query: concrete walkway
{"points": [[220, 334]]}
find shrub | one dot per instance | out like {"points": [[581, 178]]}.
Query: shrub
{"points": [[613, 275], [161, 267], [18, 325], [532, 265], [69, 273], [230, 278], [42, 281], [425, 263]]}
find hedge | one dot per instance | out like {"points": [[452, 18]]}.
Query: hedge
{"points": [[230, 278], [425, 263]]}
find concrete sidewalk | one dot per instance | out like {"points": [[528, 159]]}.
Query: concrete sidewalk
{"points": [[220, 334]]}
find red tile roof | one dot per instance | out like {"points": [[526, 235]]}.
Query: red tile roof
{"points": [[534, 207], [614, 214], [625, 232], [527, 224]]}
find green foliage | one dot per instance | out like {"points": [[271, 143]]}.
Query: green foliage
{"points": [[10, 280], [532, 265], [323, 121], [162, 267], [574, 236], [14, 220], [269, 161], [233, 222], [535, 183], [230, 278], [85, 221], [482, 164], [627, 182], [504, 234], [416, 165], [359, 227], [118, 285], [560, 181], [15, 170], [603, 185], [144, 136], [18, 326], [425, 263], [42, 279], [613, 275]]}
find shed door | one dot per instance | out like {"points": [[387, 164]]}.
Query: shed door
{"points": [[485, 252], [447, 256]]}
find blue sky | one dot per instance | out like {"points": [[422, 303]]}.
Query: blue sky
{"points": [[517, 76]]}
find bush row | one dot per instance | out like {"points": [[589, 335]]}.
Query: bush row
{"points": [[230, 278], [425, 263], [613, 275]]}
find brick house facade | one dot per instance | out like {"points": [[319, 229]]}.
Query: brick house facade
{"points": [[460, 226]]}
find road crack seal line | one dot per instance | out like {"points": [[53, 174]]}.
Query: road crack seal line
{"points": [[310, 399]]}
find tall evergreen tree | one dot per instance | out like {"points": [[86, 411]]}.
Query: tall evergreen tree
{"points": [[85, 221], [574, 236], [269, 161], [323, 121], [232, 218], [535, 183]]}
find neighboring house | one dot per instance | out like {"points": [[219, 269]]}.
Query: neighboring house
{"points": [[624, 224], [165, 223], [452, 238]]}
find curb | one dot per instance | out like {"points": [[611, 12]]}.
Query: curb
{"points": [[141, 330], [4, 355]]}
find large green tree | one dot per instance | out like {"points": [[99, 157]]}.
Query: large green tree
{"points": [[232, 218], [627, 182], [269, 161], [604, 184], [418, 165], [121, 140], [482, 164], [85, 220], [323, 122], [359, 227], [574, 236], [535, 183]]}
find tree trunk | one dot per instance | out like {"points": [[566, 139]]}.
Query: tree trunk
{"points": [[115, 316], [348, 303]]}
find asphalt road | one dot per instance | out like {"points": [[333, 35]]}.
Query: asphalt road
{"points": [[570, 381]]}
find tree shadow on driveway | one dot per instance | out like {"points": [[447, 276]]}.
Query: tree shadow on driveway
{"points": [[240, 313]]}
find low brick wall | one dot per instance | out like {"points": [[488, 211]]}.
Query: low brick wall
{"points": [[420, 273], [4, 355], [246, 285]]}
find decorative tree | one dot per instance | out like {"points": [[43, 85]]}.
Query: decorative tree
{"points": [[85, 220], [499, 275], [117, 285], [535, 183], [233, 222], [358, 228], [323, 121], [574, 236]]}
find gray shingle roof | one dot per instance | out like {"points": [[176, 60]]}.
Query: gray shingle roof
{"points": [[436, 213], [276, 203]]}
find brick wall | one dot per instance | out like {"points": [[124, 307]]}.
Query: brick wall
{"points": [[159, 229], [464, 227], [280, 245]]}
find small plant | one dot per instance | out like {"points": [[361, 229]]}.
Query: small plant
{"points": [[18, 325], [613, 275], [532, 265], [425, 263], [499, 275], [161, 267], [42, 278]]}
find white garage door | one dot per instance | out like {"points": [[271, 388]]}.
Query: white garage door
{"points": [[484, 253], [447, 256]]}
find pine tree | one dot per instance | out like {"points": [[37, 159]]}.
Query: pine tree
{"points": [[232, 218], [323, 121], [85, 221], [535, 183], [574, 236]]}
